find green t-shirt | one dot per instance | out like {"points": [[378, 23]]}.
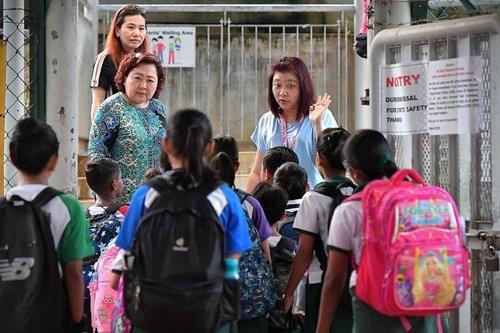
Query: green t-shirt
{"points": [[69, 227]]}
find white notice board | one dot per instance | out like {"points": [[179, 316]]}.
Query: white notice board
{"points": [[403, 101], [455, 96]]}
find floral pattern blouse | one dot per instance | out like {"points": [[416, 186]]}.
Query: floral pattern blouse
{"points": [[129, 135]]}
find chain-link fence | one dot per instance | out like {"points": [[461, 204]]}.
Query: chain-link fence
{"points": [[412, 12], [15, 31]]}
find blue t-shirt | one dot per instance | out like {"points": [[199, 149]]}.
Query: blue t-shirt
{"points": [[224, 201], [267, 134]]}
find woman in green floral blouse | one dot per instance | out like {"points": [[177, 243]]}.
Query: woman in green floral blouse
{"points": [[130, 125]]}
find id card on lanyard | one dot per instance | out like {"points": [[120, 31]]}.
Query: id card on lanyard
{"points": [[284, 137]]}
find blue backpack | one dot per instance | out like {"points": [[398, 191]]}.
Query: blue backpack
{"points": [[256, 274]]}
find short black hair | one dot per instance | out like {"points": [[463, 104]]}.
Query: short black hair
{"points": [[273, 200], [293, 179], [32, 146], [276, 156], [100, 173]]}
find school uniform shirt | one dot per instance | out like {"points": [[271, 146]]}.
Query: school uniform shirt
{"points": [[311, 219], [103, 74], [68, 224], [267, 134], [259, 219], [224, 201], [346, 231]]}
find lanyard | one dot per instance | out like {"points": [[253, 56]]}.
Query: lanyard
{"points": [[284, 136]]}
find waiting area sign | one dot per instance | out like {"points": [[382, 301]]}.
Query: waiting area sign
{"points": [[174, 46]]}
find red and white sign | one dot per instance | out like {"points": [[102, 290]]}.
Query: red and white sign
{"points": [[403, 101]]}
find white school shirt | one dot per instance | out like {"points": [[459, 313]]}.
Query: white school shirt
{"points": [[346, 231]]}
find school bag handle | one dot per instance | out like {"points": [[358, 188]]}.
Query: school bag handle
{"points": [[400, 175]]}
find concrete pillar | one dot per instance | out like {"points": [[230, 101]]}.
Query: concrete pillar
{"points": [[361, 78], [13, 24], [62, 88]]}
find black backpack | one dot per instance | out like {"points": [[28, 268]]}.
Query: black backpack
{"points": [[282, 256], [333, 189], [32, 294], [174, 277]]}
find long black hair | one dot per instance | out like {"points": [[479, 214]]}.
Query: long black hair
{"points": [[189, 132], [330, 144], [368, 151]]}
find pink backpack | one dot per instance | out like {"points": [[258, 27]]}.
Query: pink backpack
{"points": [[414, 260], [102, 297]]}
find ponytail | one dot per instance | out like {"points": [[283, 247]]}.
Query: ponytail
{"points": [[223, 167], [193, 150], [189, 132]]}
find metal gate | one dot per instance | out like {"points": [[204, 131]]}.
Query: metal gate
{"points": [[229, 81], [466, 165]]}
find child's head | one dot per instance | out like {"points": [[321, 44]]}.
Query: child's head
{"points": [[228, 145], [33, 147], [273, 200], [273, 159], [329, 147], [187, 142], [223, 167], [368, 156], [104, 177], [293, 179]]}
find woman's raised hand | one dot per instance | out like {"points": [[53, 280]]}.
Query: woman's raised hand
{"points": [[317, 110]]}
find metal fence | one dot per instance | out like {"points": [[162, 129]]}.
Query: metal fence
{"points": [[396, 12], [16, 34], [462, 163], [229, 81]]}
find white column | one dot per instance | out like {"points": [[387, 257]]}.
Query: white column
{"points": [[13, 24], [62, 88], [361, 78]]}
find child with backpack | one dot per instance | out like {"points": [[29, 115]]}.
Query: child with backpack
{"points": [[273, 200], [184, 234], [293, 179], [396, 228], [273, 159], [41, 282], [256, 277], [227, 144], [312, 222], [103, 176]]}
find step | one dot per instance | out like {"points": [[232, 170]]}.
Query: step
{"points": [[84, 191]]}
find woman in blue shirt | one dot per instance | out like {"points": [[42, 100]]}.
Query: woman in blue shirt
{"points": [[294, 119]]}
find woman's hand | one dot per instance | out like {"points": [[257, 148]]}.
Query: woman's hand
{"points": [[317, 110]]}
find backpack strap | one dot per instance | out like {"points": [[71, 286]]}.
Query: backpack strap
{"points": [[45, 196], [111, 209], [334, 191], [160, 184]]}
